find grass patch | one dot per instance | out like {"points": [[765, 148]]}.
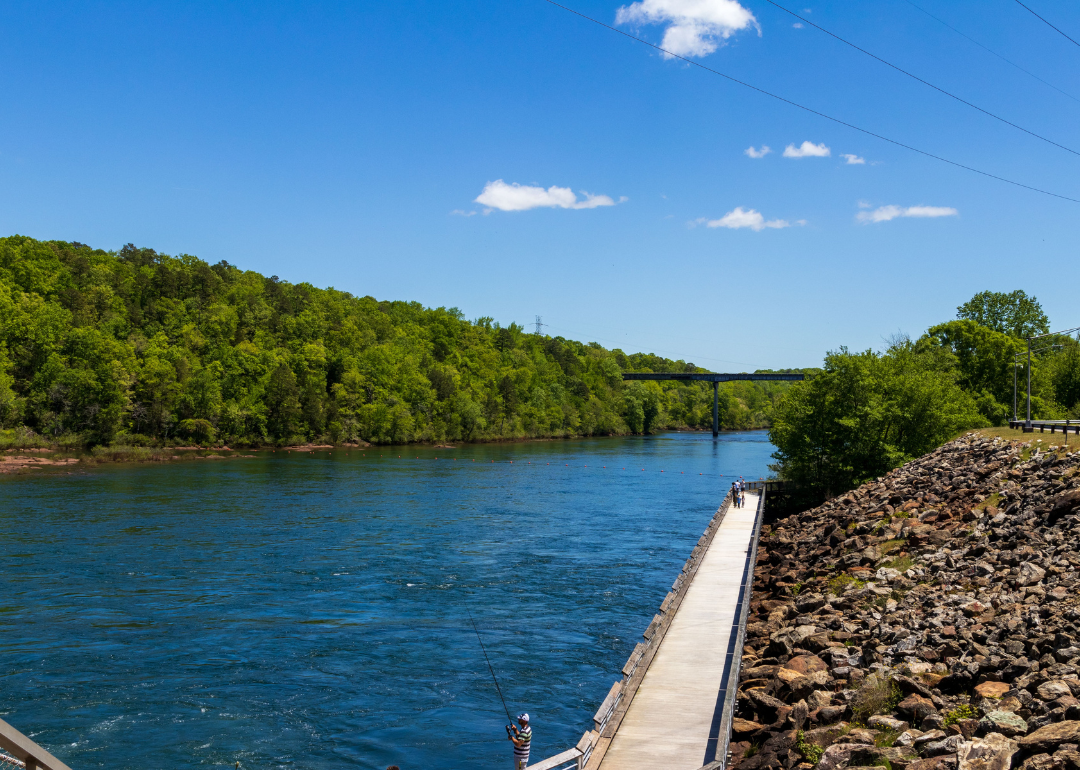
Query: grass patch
{"points": [[891, 545], [811, 752], [992, 500], [966, 711], [886, 739], [129, 454], [902, 515], [755, 747], [876, 695], [901, 563], [1048, 439], [795, 589], [22, 438], [838, 584]]}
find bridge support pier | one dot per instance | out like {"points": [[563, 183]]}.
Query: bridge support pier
{"points": [[715, 411]]}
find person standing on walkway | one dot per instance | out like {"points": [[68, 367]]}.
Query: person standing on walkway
{"points": [[735, 494], [522, 739]]}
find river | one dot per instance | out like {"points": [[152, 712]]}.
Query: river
{"points": [[298, 610]]}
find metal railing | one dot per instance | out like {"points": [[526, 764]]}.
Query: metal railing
{"points": [[1030, 426], [23, 752]]}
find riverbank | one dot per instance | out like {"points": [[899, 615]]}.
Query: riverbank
{"points": [[924, 621], [40, 455]]}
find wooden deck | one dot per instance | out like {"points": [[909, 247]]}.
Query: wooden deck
{"points": [[668, 722]]}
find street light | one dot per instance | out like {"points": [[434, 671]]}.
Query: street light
{"points": [[1027, 421]]}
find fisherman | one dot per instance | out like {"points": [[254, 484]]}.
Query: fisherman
{"points": [[521, 739]]}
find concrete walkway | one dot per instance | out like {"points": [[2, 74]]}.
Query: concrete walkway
{"points": [[667, 724]]}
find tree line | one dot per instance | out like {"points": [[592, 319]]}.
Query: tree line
{"points": [[133, 347], [865, 413]]}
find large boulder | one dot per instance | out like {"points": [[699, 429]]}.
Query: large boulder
{"points": [[1050, 737], [1004, 722], [992, 689], [994, 752]]}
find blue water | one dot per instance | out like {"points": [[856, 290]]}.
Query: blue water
{"points": [[308, 611]]}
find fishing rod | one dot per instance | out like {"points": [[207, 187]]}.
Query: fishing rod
{"points": [[498, 689]]}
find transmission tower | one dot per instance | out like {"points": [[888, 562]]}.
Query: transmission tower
{"points": [[539, 326]]}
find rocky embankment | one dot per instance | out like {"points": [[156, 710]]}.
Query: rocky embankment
{"points": [[926, 621]]}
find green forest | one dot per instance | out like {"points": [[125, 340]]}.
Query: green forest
{"points": [[137, 348], [866, 413]]}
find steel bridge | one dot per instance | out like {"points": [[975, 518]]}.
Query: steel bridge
{"points": [[715, 378]]}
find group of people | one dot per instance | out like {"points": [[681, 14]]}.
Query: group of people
{"points": [[738, 495]]}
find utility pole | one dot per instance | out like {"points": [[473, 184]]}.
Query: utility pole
{"points": [[1014, 388], [1028, 421]]}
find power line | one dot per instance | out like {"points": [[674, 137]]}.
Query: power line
{"points": [[990, 50], [648, 349], [811, 110], [924, 82], [1044, 21]]}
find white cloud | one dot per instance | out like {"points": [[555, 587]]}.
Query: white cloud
{"points": [[887, 213], [853, 160], [739, 218], [807, 150], [518, 197], [460, 213], [757, 153], [797, 25], [694, 27]]}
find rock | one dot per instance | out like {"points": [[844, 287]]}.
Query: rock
{"points": [[1042, 762], [1053, 690], [806, 664], [794, 636], [944, 746], [929, 737], [994, 752], [916, 707], [809, 602], [836, 756], [886, 574], [992, 689], [887, 723], [1030, 574], [742, 727], [863, 736], [1003, 722], [819, 699], [1069, 758], [1051, 736], [907, 737], [934, 763], [824, 736]]}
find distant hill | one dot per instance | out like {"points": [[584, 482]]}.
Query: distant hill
{"points": [[137, 347]]}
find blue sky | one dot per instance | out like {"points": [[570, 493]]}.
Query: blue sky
{"points": [[333, 142]]}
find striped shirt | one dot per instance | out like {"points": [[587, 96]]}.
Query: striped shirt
{"points": [[525, 736]]}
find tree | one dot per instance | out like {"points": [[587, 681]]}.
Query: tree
{"points": [[865, 414], [1014, 313], [282, 403], [983, 361]]}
